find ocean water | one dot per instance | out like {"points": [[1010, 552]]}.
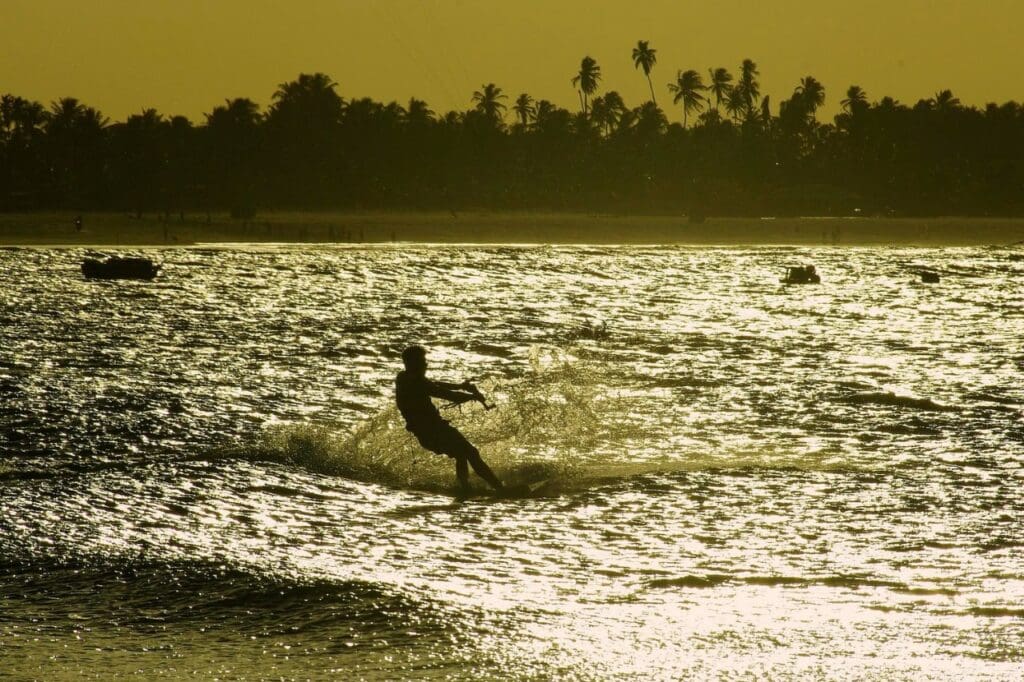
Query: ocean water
{"points": [[203, 476]]}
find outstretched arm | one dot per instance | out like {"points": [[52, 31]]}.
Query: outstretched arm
{"points": [[448, 386], [457, 393], [446, 391]]}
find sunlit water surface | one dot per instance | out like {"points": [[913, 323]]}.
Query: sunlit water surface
{"points": [[204, 475]]}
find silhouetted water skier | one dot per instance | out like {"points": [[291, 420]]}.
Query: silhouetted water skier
{"points": [[413, 392]]}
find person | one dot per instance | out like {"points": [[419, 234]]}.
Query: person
{"points": [[413, 392]]}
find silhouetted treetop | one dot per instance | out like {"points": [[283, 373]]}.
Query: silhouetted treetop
{"points": [[645, 57], [748, 85], [488, 102], [524, 110], [309, 101], [720, 84], [856, 100], [587, 80], [687, 89], [732, 154]]}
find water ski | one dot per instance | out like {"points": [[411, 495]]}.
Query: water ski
{"points": [[535, 489], [512, 492]]}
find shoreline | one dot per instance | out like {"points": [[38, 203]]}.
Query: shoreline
{"points": [[53, 229]]}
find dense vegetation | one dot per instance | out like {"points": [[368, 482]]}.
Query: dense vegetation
{"points": [[734, 154]]}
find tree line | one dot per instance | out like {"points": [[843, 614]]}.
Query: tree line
{"points": [[733, 154]]}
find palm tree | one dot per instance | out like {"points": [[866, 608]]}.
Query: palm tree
{"points": [[687, 89], [63, 114], [649, 121], [309, 99], [749, 88], [709, 118], [304, 124], [812, 93], [627, 121], [766, 113], [418, 114], [644, 57], [613, 100], [24, 165], [524, 109], [601, 115], [488, 102], [149, 120], [233, 142], [856, 100], [237, 114], [721, 82], [584, 126], [391, 115], [9, 105], [144, 139], [552, 120], [452, 120], [735, 102], [607, 110], [587, 79], [69, 115], [21, 121], [888, 104], [543, 110], [945, 101], [20, 118], [75, 136]]}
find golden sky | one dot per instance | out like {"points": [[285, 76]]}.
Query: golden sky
{"points": [[187, 56]]}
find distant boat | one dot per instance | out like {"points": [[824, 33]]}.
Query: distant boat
{"points": [[116, 267], [801, 274]]}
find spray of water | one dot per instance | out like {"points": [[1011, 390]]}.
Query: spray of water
{"points": [[545, 420]]}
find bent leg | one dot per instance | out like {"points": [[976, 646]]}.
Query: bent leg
{"points": [[481, 468], [449, 441], [462, 473]]}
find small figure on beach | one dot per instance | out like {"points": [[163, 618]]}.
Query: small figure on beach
{"points": [[413, 392], [802, 274], [78, 223]]}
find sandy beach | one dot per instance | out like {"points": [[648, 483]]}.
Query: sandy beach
{"points": [[57, 228]]}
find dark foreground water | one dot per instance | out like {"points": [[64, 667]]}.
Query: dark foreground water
{"points": [[202, 475]]}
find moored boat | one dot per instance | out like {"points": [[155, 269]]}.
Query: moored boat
{"points": [[117, 267], [801, 274]]}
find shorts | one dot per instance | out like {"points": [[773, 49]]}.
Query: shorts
{"points": [[444, 439]]}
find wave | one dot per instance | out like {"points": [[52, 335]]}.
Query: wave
{"points": [[59, 469], [890, 398], [714, 580], [995, 612], [154, 595]]}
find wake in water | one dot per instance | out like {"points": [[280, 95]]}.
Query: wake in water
{"points": [[543, 423], [890, 398], [547, 426]]}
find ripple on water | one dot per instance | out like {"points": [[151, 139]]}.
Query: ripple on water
{"points": [[748, 472]]}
